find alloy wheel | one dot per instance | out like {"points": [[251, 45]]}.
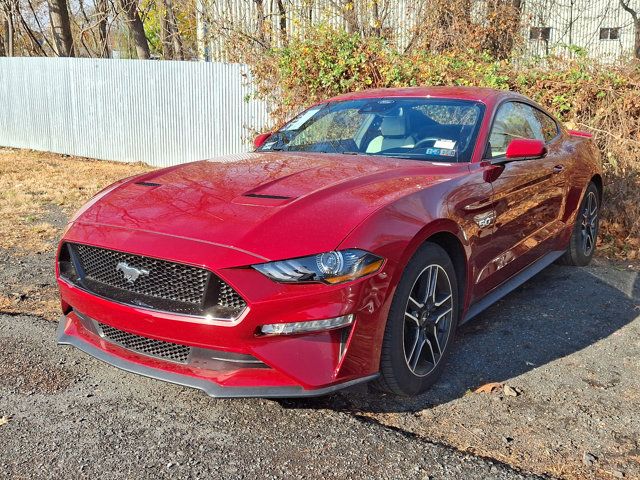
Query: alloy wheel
{"points": [[427, 320], [589, 223]]}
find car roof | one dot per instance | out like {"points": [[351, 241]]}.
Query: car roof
{"points": [[485, 95]]}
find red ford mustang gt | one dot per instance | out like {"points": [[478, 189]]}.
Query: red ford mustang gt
{"points": [[348, 247]]}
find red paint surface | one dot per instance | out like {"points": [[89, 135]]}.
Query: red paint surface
{"points": [[520, 148]]}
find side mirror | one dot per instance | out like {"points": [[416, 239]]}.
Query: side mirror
{"points": [[260, 139], [525, 149]]}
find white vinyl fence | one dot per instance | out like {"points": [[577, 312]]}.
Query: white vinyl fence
{"points": [[163, 113]]}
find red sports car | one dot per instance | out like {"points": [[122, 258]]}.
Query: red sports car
{"points": [[347, 248]]}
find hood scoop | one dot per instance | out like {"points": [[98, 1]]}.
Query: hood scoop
{"points": [[263, 199], [148, 184], [264, 195]]}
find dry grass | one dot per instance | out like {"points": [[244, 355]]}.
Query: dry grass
{"points": [[38, 193], [34, 186]]}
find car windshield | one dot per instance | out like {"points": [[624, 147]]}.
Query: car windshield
{"points": [[430, 129]]}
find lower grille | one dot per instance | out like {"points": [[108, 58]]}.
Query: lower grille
{"points": [[172, 352]]}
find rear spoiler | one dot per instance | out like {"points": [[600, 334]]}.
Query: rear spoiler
{"points": [[579, 133]]}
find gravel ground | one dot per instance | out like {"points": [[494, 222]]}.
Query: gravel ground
{"points": [[72, 416], [567, 342]]}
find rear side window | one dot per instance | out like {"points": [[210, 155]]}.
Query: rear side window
{"points": [[549, 125], [519, 120]]}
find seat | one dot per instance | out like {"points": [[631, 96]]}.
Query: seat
{"points": [[393, 134]]}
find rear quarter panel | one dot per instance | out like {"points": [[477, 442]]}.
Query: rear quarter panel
{"points": [[585, 163]]}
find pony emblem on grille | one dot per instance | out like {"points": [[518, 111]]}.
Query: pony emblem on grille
{"points": [[131, 274]]}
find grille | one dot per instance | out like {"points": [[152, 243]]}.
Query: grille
{"points": [[146, 346], [228, 297], [161, 279], [153, 283]]}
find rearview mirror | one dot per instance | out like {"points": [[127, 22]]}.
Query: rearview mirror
{"points": [[260, 139], [525, 149]]}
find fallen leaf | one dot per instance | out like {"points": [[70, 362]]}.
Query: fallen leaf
{"points": [[4, 420], [510, 391], [488, 387]]}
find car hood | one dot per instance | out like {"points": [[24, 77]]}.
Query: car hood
{"points": [[274, 205]]}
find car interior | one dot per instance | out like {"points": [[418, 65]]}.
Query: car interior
{"points": [[420, 131]]}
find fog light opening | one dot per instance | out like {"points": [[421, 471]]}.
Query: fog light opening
{"points": [[307, 327]]}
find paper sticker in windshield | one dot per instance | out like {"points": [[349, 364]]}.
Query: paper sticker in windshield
{"points": [[446, 144], [296, 123], [441, 152]]}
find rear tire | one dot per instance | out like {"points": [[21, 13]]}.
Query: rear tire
{"points": [[421, 323], [582, 244]]}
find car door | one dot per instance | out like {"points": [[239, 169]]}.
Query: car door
{"points": [[527, 194]]}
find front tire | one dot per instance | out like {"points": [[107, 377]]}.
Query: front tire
{"points": [[582, 244], [421, 323]]}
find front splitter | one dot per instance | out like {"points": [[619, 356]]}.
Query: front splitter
{"points": [[209, 388]]}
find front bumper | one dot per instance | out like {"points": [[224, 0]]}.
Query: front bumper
{"points": [[71, 331], [295, 365]]}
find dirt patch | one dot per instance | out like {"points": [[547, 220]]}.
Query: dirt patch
{"points": [[22, 372]]}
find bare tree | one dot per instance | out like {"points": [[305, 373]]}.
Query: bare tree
{"points": [[61, 27], [7, 8], [350, 14], [282, 13], [135, 27], [102, 11], [625, 4], [261, 24], [171, 40], [3, 51]]}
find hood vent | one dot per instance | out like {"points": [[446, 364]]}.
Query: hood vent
{"points": [[260, 195], [148, 184]]}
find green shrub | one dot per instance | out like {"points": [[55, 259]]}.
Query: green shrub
{"points": [[602, 99]]}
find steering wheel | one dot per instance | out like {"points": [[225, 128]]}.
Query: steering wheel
{"points": [[425, 140]]}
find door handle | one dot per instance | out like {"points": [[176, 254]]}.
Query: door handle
{"points": [[558, 169]]}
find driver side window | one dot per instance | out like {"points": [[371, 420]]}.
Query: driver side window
{"points": [[513, 120]]}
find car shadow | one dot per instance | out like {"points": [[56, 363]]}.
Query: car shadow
{"points": [[559, 312]]}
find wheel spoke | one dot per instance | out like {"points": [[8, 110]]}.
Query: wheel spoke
{"points": [[415, 302], [432, 284], [417, 352], [433, 355], [435, 336], [593, 204], [412, 317], [585, 241], [446, 312], [445, 299], [413, 347]]}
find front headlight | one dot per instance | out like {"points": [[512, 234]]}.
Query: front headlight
{"points": [[330, 267]]}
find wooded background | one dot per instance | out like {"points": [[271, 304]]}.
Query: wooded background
{"points": [[220, 29]]}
